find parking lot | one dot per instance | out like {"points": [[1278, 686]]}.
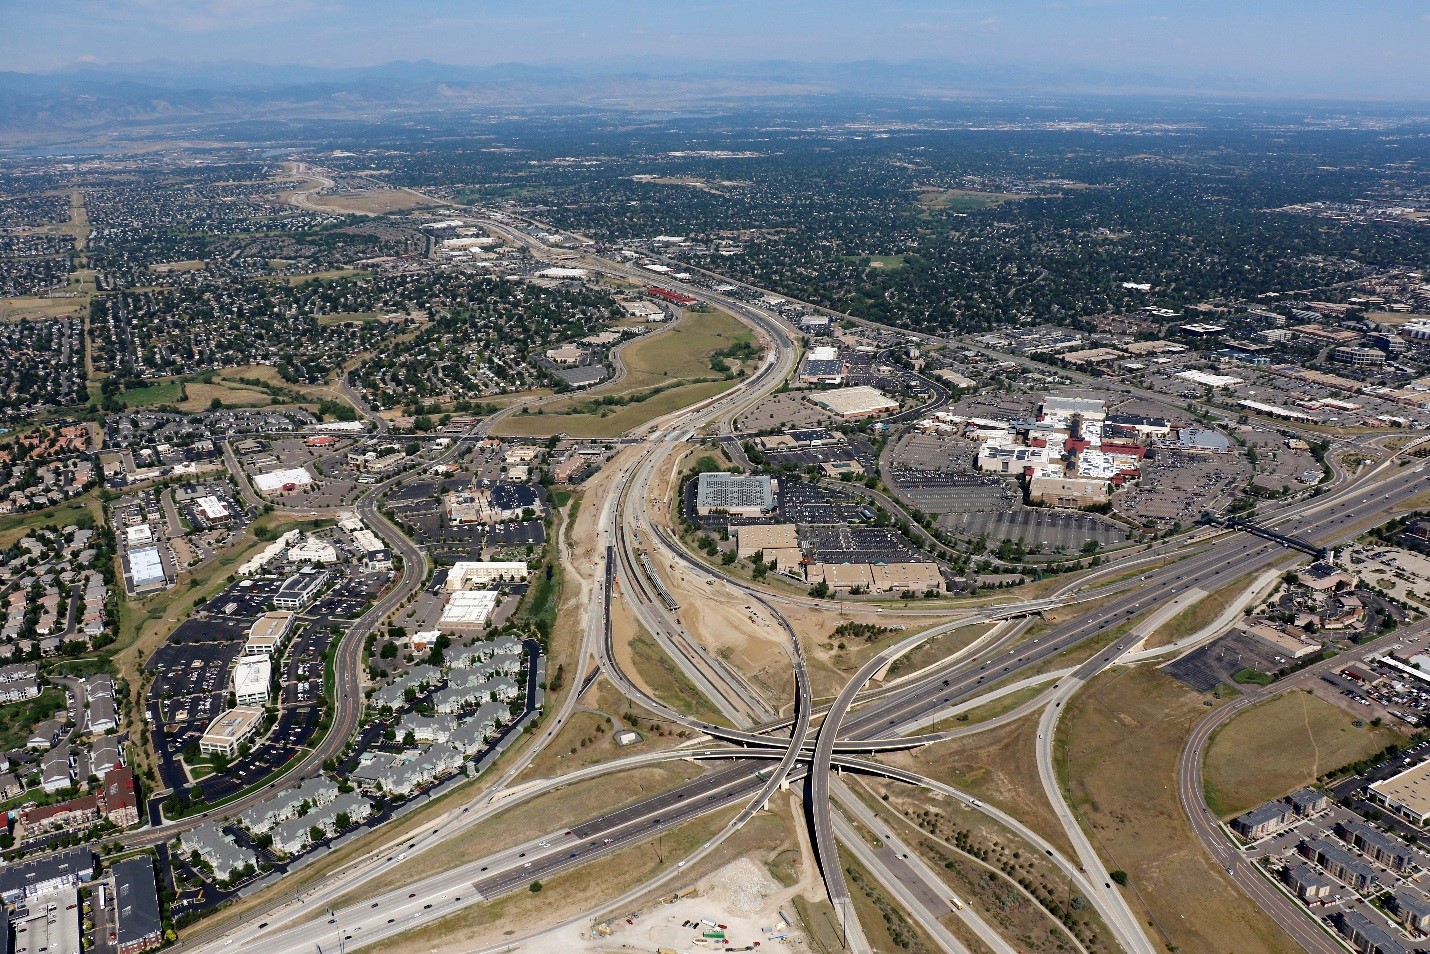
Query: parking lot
{"points": [[811, 504], [1176, 486], [780, 412], [1052, 530], [1217, 662]]}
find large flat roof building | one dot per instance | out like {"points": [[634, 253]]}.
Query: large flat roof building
{"points": [[283, 481], [229, 730], [25, 879], [1407, 794], [468, 609], [267, 633], [146, 570], [251, 675], [735, 494], [466, 574], [300, 589], [852, 404]]}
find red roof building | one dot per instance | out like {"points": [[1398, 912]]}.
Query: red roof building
{"points": [[657, 292]]}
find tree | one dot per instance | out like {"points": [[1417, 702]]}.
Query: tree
{"points": [[389, 650], [1119, 876], [536, 887], [343, 820]]}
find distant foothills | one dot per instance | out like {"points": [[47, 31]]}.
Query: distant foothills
{"points": [[87, 95]]}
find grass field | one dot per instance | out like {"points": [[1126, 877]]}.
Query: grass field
{"points": [[188, 265], [668, 683], [679, 354], [1281, 744], [962, 200], [680, 351], [617, 421], [326, 275], [372, 201], [166, 392], [230, 393], [999, 766], [884, 262], [338, 318], [1200, 614], [15, 526], [1117, 751], [34, 306]]}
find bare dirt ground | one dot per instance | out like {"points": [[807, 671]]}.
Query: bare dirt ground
{"points": [[741, 898], [372, 201]]}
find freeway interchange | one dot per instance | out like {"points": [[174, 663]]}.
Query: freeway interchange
{"points": [[768, 744]]}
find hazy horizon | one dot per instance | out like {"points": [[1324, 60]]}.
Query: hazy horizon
{"points": [[1316, 49]]}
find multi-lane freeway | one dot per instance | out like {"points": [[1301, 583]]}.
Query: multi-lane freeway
{"points": [[769, 748]]}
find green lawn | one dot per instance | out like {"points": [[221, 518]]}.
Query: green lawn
{"points": [[15, 526], [17, 719], [169, 392]]}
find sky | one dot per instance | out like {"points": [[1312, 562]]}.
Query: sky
{"points": [[1375, 48]]}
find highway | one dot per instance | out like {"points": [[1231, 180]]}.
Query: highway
{"points": [[1306, 931], [858, 721]]}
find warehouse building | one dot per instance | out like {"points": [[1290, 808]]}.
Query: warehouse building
{"points": [[735, 494], [856, 403]]}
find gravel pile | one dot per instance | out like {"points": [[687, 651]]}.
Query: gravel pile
{"points": [[741, 887]]}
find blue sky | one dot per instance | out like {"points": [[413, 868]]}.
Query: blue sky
{"points": [[1354, 47]]}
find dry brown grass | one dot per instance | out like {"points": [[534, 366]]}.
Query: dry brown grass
{"points": [[1200, 614], [1283, 743], [563, 897], [550, 812], [998, 766], [1118, 746], [372, 202], [36, 306]]}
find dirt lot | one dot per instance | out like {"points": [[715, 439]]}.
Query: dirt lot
{"points": [[371, 202], [1282, 744], [1118, 747], [568, 895]]}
